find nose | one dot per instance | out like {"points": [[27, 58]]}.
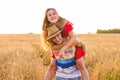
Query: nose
{"points": [[57, 38]]}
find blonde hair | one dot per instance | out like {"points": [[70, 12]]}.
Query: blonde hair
{"points": [[45, 21], [44, 30], [60, 24]]}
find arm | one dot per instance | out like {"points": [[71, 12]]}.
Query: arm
{"points": [[67, 30], [82, 45], [51, 70], [58, 47], [81, 66], [70, 42], [79, 43]]}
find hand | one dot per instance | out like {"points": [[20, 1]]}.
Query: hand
{"points": [[61, 53], [61, 57]]}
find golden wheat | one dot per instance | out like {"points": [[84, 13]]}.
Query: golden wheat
{"points": [[22, 56]]}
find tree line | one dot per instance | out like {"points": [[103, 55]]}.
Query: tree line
{"points": [[117, 30]]}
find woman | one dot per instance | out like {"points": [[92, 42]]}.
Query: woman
{"points": [[52, 18]]}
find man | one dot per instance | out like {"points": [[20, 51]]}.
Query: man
{"points": [[72, 67]]}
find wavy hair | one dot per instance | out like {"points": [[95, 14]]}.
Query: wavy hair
{"points": [[60, 24]]}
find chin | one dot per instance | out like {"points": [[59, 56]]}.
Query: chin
{"points": [[55, 21], [59, 43]]}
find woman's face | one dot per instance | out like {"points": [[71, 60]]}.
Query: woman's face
{"points": [[52, 16], [57, 39]]}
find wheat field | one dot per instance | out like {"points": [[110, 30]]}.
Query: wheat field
{"points": [[22, 56]]}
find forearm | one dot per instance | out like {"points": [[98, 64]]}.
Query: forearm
{"points": [[70, 42], [57, 47], [84, 74], [83, 46], [67, 42], [51, 70], [48, 75], [81, 67], [78, 42]]}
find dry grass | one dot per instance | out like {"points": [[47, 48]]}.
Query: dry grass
{"points": [[103, 56], [22, 56]]}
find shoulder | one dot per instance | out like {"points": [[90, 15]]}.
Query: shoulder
{"points": [[79, 53], [68, 23], [62, 22]]}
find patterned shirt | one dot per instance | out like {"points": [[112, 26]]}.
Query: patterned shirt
{"points": [[66, 67]]}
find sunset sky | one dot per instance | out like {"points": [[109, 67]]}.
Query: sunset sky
{"points": [[26, 16]]}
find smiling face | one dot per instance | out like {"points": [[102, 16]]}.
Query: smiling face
{"points": [[57, 39], [52, 16]]}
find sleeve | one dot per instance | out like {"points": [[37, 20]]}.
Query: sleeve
{"points": [[79, 53], [68, 27], [53, 56]]}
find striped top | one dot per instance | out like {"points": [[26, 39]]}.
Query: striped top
{"points": [[66, 67]]}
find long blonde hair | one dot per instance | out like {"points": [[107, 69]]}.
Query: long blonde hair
{"points": [[60, 24]]}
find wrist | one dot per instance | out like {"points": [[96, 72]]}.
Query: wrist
{"points": [[63, 48]]}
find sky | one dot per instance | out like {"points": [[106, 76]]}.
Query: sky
{"points": [[26, 16]]}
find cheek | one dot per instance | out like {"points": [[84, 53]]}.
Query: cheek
{"points": [[53, 40], [48, 18], [60, 37], [61, 40], [57, 16]]}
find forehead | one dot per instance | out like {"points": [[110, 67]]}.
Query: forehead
{"points": [[51, 11], [57, 35]]}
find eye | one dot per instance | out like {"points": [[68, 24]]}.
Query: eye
{"points": [[50, 15], [57, 35], [54, 13]]}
